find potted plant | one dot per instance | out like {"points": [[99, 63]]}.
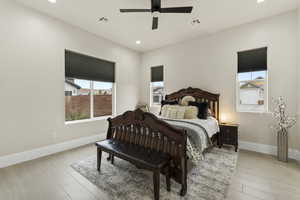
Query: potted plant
{"points": [[282, 123]]}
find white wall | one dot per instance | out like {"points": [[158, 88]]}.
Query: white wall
{"points": [[32, 78], [211, 64]]}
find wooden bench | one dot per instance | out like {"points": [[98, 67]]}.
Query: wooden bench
{"points": [[148, 143], [139, 156]]}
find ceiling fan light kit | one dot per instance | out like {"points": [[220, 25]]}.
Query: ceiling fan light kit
{"points": [[156, 9]]}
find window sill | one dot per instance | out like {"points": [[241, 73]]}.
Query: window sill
{"points": [[88, 120], [155, 105]]}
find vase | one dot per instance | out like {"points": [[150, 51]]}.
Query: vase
{"points": [[282, 145]]}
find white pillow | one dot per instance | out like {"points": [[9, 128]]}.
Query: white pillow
{"points": [[173, 111], [185, 100], [165, 111], [191, 112]]}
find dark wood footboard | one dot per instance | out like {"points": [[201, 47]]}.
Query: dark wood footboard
{"points": [[146, 130]]}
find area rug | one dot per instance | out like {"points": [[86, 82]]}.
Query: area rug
{"points": [[207, 180]]}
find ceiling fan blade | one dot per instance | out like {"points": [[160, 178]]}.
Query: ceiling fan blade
{"points": [[135, 10], [155, 4], [177, 10], [155, 23]]}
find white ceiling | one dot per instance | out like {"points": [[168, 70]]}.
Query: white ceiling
{"points": [[125, 29]]}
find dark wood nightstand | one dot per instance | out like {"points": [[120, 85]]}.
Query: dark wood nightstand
{"points": [[228, 135]]}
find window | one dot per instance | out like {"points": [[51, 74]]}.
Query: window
{"points": [[91, 99], [89, 86], [157, 92], [252, 81], [156, 85]]}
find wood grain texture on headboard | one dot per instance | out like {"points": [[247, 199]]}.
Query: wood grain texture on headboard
{"points": [[200, 96]]}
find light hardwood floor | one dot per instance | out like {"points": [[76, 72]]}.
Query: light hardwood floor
{"points": [[51, 178]]}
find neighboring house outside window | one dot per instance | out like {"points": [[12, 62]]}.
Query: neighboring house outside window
{"points": [[68, 93], [71, 89], [157, 93], [252, 81], [252, 91]]}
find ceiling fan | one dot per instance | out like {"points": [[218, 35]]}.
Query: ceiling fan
{"points": [[156, 9]]}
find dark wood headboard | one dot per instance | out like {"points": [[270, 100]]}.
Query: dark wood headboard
{"points": [[200, 96]]}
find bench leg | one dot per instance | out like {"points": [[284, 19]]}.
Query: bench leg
{"points": [[183, 176], [168, 178], [112, 159], [99, 156], [156, 180]]}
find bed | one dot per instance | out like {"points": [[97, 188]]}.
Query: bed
{"points": [[147, 130], [202, 133]]}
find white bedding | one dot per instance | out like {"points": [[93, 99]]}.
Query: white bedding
{"points": [[199, 132], [210, 124]]}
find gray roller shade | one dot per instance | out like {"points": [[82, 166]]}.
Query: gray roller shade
{"points": [[252, 60], [89, 68], [157, 74]]}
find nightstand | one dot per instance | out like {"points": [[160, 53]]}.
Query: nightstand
{"points": [[228, 135]]}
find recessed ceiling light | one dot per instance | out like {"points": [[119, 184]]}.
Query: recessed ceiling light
{"points": [[52, 1], [138, 42], [260, 1]]}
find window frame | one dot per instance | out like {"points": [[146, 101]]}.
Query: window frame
{"points": [[92, 118], [265, 108]]}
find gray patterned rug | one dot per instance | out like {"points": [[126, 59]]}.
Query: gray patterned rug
{"points": [[209, 180]]}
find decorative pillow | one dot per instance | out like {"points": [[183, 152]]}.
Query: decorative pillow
{"points": [[185, 100], [177, 112], [202, 109], [173, 111], [168, 102], [164, 111], [191, 112]]}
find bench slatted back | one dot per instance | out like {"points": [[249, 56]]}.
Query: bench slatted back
{"points": [[146, 130]]}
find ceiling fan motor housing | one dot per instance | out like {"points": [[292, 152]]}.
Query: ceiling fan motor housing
{"points": [[155, 14]]}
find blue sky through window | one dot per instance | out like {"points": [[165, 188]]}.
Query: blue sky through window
{"points": [[102, 85], [157, 84], [83, 83], [246, 76]]}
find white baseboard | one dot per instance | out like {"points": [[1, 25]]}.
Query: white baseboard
{"points": [[267, 149], [16, 158]]}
